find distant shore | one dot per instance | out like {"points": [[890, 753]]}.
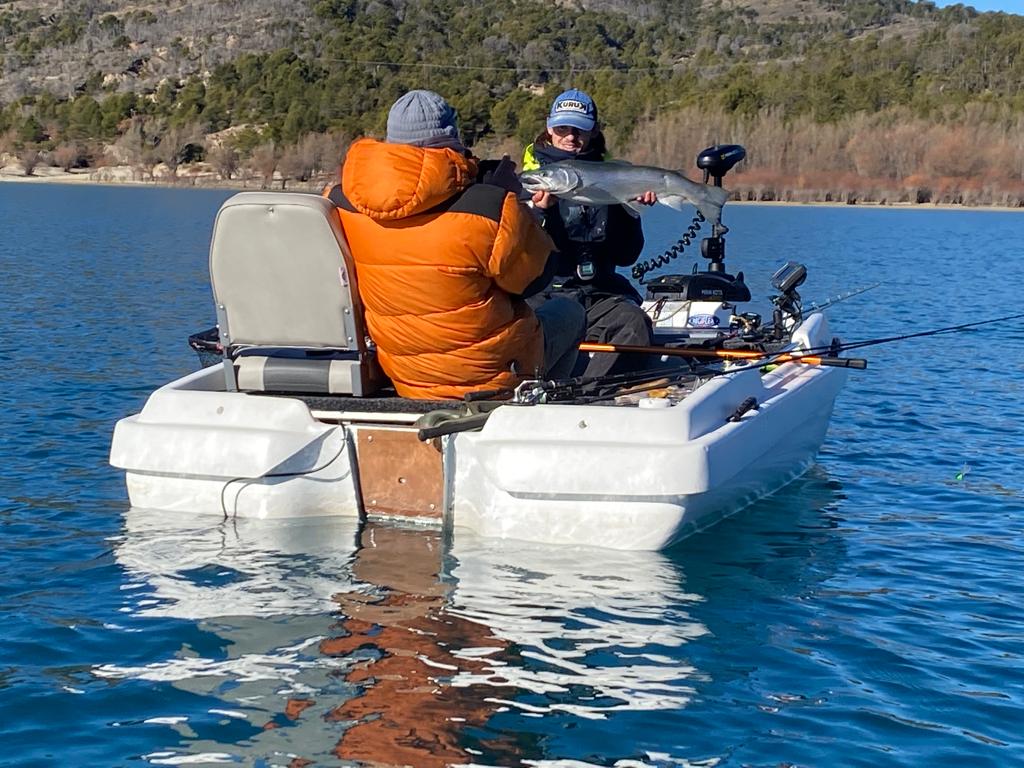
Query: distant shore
{"points": [[124, 175], [128, 176]]}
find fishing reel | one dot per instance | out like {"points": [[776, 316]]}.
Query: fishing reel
{"points": [[788, 312]]}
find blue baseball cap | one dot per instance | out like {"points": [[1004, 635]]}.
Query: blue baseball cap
{"points": [[573, 108]]}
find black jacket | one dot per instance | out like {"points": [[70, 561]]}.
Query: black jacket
{"points": [[591, 240]]}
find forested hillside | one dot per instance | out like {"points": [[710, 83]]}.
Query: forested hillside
{"points": [[869, 98]]}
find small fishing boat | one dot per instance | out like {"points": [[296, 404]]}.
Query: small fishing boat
{"points": [[296, 419]]}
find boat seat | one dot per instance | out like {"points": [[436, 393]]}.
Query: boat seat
{"points": [[288, 311]]}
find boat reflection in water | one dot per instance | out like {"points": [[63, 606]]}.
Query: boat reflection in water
{"points": [[393, 646]]}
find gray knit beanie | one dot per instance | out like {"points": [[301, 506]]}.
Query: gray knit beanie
{"points": [[424, 119]]}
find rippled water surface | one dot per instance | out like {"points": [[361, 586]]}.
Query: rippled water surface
{"points": [[868, 614]]}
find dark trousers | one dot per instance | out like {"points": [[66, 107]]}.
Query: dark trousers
{"points": [[615, 319]]}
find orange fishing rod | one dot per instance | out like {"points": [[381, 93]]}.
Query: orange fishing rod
{"points": [[728, 354]]}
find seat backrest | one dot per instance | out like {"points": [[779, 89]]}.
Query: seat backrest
{"points": [[283, 278]]}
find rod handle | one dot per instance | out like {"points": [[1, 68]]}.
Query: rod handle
{"points": [[473, 421], [844, 362]]}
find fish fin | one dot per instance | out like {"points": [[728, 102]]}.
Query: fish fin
{"points": [[678, 202], [709, 201], [711, 208], [634, 208]]}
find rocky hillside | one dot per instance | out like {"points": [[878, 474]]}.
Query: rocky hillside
{"points": [[274, 83], [68, 48]]}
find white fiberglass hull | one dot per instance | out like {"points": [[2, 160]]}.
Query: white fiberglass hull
{"points": [[630, 479], [597, 475]]}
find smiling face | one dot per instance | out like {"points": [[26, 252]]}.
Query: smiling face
{"points": [[568, 138]]}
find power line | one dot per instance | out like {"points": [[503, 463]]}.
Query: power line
{"points": [[624, 70], [430, 65]]}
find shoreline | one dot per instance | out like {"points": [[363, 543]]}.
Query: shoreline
{"points": [[121, 173], [76, 178]]}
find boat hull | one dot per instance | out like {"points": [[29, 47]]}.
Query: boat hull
{"points": [[634, 490], [632, 478]]}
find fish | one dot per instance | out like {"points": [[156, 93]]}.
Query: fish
{"points": [[614, 181]]}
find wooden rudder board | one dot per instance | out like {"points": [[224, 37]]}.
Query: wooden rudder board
{"points": [[399, 476]]}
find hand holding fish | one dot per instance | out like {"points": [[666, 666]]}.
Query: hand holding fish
{"points": [[543, 199]]}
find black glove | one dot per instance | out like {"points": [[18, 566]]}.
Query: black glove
{"points": [[501, 173]]}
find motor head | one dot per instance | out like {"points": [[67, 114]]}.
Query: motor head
{"points": [[717, 161], [556, 179]]}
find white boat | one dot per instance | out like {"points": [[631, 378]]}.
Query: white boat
{"points": [[295, 422]]}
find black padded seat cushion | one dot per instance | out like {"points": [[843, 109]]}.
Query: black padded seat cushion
{"points": [[385, 403]]}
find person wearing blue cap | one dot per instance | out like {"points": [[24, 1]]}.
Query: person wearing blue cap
{"points": [[592, 240]]}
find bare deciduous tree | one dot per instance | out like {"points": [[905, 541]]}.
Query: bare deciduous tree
{"points": [[29, 158], [173, 143], [67, 156], [264, 161], [225, 160]]}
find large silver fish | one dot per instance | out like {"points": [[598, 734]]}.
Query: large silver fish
{"points": [[610, 182]]}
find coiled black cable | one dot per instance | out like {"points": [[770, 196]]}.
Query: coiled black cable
{"points": [[641, 269]]}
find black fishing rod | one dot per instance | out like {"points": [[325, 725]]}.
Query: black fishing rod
{"points": [[587, 389], [582, 387], [769, 358], [845, 346], [782, 356]]}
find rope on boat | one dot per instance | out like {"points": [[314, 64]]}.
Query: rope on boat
{"points": [[268, 475]]}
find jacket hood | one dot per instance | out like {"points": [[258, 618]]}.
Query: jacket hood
{"points": [[393, 181]]}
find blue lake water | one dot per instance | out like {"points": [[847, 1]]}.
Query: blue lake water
{"points": [[871, 613]]}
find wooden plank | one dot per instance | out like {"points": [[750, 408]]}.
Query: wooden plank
{"points": [[399, 476]]}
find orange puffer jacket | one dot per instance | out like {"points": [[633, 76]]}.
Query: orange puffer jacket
{"points": [[439, 260]]}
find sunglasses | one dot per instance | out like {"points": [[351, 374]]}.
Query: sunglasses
{"points": [[565, 130]]}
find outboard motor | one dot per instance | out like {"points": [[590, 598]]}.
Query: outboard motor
{"points": [[702, 303]]}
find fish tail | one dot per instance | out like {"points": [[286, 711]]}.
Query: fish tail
{"points": [[706, 198]]}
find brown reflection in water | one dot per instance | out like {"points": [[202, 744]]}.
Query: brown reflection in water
{"points": [[407, 712]]}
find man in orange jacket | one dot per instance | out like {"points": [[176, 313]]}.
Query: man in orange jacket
{"points": [[444, 263]]}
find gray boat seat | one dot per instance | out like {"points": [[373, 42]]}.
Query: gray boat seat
{"points": [[288, 310]]}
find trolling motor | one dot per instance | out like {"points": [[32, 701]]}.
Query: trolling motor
{"points": [[714, 285], [717, 161]]}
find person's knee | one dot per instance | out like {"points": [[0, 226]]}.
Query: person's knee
{"points": [[578, 319], [639, 324], [631, 325], [572, 316]]}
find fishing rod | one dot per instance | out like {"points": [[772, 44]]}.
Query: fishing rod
{"points": [[843, 347], [653, 382], [833, 300], [726, 354], [809, 356], [534, 391]]}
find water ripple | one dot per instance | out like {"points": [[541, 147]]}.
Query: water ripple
{"points": [[867, 614]]}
